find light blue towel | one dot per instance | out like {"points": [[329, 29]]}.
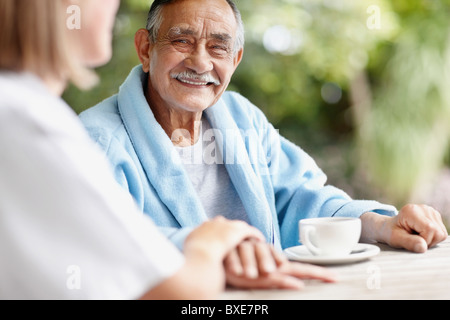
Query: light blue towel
{"points": [[278, 183]]}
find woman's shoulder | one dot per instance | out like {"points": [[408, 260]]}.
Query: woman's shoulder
{"points": [[26, 101], [23, 90]]}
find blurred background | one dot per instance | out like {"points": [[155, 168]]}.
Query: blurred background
{"points": [[361, 85]]}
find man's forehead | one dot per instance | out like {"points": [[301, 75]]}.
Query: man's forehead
{"points": [[194, 16]]}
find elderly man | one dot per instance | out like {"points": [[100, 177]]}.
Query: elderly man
{"points": [[189, 151]]}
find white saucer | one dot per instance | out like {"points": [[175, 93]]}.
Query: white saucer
{"points": [[361, 252]]}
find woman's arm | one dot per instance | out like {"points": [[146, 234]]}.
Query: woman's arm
{"points": [[203, 275]]}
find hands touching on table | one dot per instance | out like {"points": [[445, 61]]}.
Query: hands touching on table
{"points": [[246, 260], [257, 265], [210, 262], [415, 228]]}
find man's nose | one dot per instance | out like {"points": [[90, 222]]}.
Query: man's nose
{"points": [[199, 60]]}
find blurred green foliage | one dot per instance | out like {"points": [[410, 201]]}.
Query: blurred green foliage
{"points": [[362, 85], [405, 137]]}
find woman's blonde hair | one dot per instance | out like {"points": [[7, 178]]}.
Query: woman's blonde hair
{"points": [[33, 37]]}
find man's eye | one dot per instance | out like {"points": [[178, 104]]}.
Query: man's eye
{"points": [[180, 41], [220, 50]]}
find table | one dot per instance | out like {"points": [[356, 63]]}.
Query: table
{"points": [[392, 274]]}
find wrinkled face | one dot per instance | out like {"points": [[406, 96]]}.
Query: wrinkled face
{"points": [[193, 59]]}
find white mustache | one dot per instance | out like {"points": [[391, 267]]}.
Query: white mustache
{"points": [[187, 76]]}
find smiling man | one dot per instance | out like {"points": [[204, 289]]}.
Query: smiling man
{"points": [[190, 59], [174, 110]]}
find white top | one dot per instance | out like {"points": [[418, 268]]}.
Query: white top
{"points": [[210, 178], [67, 230]]}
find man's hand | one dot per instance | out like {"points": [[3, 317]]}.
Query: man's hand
{"points": [[415, 228], [257, 265]]}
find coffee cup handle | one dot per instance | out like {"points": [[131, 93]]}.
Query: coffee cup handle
{"points": [[305, 238]]}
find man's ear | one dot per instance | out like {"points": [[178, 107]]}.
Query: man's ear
{"points": [[238, 58], [142, 45]]}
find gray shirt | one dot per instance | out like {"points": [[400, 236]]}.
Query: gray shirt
{"points": [[210, 178]]}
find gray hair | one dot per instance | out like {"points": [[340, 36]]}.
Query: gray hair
{"points": [[154, 21]]}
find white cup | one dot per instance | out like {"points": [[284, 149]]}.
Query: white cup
{"points": [[330, 237]]}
